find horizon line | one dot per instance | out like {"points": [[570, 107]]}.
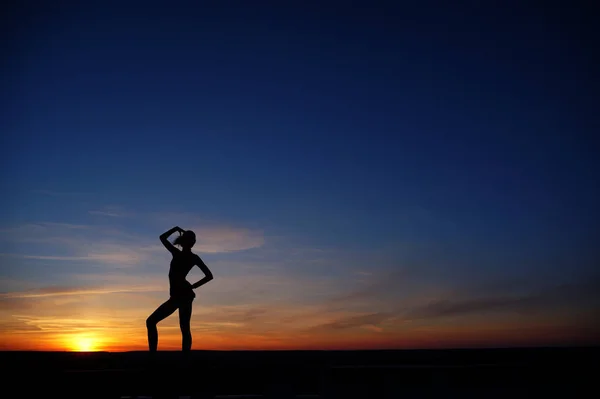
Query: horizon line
{"points": [[312, 350]]}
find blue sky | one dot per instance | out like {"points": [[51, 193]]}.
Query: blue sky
{"points": [[323, 144]]}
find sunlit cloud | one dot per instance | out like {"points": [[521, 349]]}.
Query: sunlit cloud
{"points": [[212, 236], [218, 240], [226, 239], [60, 325], [105, 244]]}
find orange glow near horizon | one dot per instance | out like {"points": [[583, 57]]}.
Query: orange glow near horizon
{"points": [[431, 339], [91, 323]]}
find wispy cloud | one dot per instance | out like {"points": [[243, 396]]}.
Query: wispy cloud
{"points": [[62, 291], [29, 230], [577, 294], [362, 320], [113, 245], [226, 239], [44, 257], [218, 240], [452, 307], [114, 211], [212, 236], [48, 324], [121, 255]]}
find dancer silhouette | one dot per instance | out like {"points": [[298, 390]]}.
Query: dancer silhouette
{"points": [[181, 291]]}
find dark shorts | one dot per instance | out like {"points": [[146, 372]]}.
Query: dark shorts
{"points": [[183, 296]]}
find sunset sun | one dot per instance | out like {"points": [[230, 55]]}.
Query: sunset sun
{"points": [[83, 344]]}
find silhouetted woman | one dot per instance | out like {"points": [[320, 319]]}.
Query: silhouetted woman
{"points": [[180, 289]]}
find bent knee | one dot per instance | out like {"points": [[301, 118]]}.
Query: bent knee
{"points": [[151, 322]]}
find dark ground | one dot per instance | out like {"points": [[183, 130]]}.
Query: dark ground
{"points": [[461, 373]]}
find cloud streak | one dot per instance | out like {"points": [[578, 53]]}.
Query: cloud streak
{"points": [[576, 295], [112, 211], [62, 291], [226, 239], [371, 320], [123, 256], [109, 245], [449, 307]]}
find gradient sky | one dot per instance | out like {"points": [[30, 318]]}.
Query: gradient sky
{"points": [[358, 177]]}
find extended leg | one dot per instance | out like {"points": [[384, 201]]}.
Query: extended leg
{"points": [[185, 315], [162, 312]]}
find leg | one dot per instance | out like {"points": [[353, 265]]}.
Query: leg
{"points": [[162, 312], [185, 315]]}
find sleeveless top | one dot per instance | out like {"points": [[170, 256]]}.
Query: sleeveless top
{"points": [[181, 264]]}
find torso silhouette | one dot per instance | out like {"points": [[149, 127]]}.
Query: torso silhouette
{"points": [[181, 264]]}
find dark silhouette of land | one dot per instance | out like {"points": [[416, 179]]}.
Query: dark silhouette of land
{"points": [[463, 373]]}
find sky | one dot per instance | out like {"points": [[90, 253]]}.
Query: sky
{"points": [[375, 175]]}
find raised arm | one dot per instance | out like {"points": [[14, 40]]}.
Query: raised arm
{"points": [[207, 273], [164, 238]]}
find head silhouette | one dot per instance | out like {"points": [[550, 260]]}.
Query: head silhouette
{"points": [[186, 240]]}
